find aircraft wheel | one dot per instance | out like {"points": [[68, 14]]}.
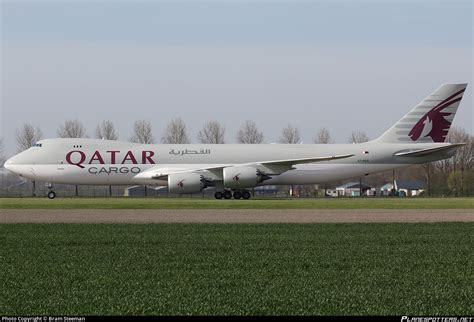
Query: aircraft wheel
{"points": [[218, 195], [246, 194], [227, 194], [51, 195], [237, 195]]}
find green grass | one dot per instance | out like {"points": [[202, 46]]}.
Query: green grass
{"points": [[194, 203], [278, 269]]}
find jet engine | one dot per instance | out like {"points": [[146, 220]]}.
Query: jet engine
{"points": [[188, 182], [244, 177]]}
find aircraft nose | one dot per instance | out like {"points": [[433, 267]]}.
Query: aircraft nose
{"points": [[15, 165], [9, 164]]}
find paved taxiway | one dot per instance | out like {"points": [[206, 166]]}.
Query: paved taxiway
{"points": [[234, 215]]}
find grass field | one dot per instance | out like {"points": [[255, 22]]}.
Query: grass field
{"points": [[277, 269], [200, 203]]}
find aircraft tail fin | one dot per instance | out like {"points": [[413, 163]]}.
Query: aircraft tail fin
{"points": [[430, 120]]}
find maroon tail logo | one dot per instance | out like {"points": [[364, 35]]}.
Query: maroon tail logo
{"points": [[236, 178], [434, 123]]}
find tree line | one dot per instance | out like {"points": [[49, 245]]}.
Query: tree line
{"points": [[176, 132]]}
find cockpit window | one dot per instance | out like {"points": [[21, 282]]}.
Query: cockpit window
{"points": [[39, 145]]}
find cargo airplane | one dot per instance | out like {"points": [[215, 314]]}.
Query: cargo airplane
{"points": [[231, 169]]}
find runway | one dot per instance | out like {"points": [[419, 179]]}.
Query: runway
{"points": [[224, 216]]}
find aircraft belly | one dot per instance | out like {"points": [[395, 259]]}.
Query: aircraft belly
{"points": [[320, 173]]}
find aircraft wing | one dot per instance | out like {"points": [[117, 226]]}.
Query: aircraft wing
{"points": [[428, 151], [291, 162], [160, 172]]}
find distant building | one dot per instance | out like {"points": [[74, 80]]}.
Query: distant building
{"points": [[352, 189], [403, 188], [409, 187], [262, 190], [387, 190]]}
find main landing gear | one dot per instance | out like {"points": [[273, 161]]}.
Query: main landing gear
{"points": [[51, 193], [227, 194]]}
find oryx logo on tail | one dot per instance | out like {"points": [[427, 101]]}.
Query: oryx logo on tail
{"points": [[434, 122], [430, 120]]}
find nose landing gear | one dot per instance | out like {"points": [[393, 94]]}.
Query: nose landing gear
{"points": [[51, 193]]}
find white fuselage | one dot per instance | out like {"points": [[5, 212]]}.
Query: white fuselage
{"points": [[103, 162]]}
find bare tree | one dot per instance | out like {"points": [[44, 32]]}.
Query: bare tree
{"points": [[323, 136], [249, 133], [212, 132], [463, 158], [72, 129], [290, 135], [106, 130], [142, 132], [428, 167], [175, 132], [469, 153], [444, 166], [27, 136], [454, 182], [358, 137], [2, 152]]}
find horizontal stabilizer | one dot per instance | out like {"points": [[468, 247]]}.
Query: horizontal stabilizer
{"points": [[429, 151]]}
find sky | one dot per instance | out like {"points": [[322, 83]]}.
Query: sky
{"points": [[343, 65]]}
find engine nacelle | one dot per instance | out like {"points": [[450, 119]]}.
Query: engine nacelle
{"points": [[243, 177], [188, 182]]}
